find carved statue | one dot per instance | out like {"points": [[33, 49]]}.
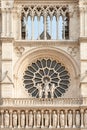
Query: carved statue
{"points": [[38, 119], [46, 119], [52, 90], [40, 90], [14, 119], [70, 119], [6, 119], [22, 119], [54, 119], [77, 119], [85, 118], [62, 119], [46, 88], [30, 119]]}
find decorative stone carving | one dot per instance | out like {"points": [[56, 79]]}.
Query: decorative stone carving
{"points": [[77, 119], [46, 88], [54, 119], [52, 90], [31, 120], [62, 119], [15, 119], [40, 90], [73, 51], [22, 119], [38, 119], [19, 50], [46, 119], [70, 119], [85, 118], [6, 119]]}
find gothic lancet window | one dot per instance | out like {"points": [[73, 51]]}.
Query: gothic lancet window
{"points": [[45, 23]]}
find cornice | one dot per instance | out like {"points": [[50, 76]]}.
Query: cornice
{"points": [[7, 39], [46, 1], [83, 39], [45, 43], [48, 103]]}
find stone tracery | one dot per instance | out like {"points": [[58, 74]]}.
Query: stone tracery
{"points": [[46, 78], [50, 15]]}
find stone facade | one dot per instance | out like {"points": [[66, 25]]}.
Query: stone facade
{"points": [[43, 81]]}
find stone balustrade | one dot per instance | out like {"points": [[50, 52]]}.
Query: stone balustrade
{"points": [[42, 102], [43, 118]]}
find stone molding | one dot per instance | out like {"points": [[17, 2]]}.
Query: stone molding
{"points": [[45, 43], [31, 102], [83, 39], [7, 39], [46, 1]]}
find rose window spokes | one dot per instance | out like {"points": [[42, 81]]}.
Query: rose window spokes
{"points": [[46, 78]]}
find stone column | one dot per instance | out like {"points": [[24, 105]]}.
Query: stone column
{"points": [[16, 24], [26, 118], [38, 27], [63, 28], [50, 119], [18, 119], [11, 23], [51, 26], [32, 28], [57, 29], [82, 118], [65, 118], [45, 18], [8, 22], [86, 21], [2, 118], [34, 119], [74, 119], [58, 126], [3, 22], [42, 125], [10, 118], [82, 22], [20, 28]]}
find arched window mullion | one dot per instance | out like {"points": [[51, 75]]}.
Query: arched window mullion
{"points": [[38, 18], [51, 18], [32, 25], [67, 26], [63, 33], [23, 30]]}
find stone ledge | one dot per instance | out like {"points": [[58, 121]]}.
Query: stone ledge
{"points": [[83, 39], [45, 43], [60, 1], [7, 39], [42, 129], [33, 102]]}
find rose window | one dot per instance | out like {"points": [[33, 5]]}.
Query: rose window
{"points": [[46, 78]]}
